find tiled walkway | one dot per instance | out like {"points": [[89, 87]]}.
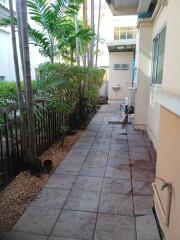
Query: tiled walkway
{"points": [[100, 191]]}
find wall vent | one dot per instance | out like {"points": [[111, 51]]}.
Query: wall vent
{"points": [[121, 66]]}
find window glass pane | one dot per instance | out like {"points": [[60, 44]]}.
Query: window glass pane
{"points": [[124, 33], [130, 35], [116, 33], [155, 56], [160, 60], [116, 36], [158, 57]]}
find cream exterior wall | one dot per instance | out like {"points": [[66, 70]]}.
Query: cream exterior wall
{"points": [[153, 115], [163, 125], [168, 168], [171, 79], [168, 158], [121, 78], [153, 107], [143, 75], [147, 114]]}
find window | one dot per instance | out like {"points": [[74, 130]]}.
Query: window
{"points": [[2, 78], [158, 57], [123, 33], [121, 66]]}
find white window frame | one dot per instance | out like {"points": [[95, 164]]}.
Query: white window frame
{"points": [[125, 30], [154, 75]]}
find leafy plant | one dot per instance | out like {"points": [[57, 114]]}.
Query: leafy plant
{"points": [[55, 28], [74, 90], [71, 90]]}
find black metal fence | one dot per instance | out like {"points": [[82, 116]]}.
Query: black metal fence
{"points": [[10, 144], [48, 126]]}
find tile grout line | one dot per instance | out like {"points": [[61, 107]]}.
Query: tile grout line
{"points": [[149, 152], [74, 182], [132, 188], [102, 186]]}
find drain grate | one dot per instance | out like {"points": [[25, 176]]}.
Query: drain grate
{"points": [[115, 122]]}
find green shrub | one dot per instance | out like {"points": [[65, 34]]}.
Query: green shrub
{"points": [[74, 90], [8, 92], [71, 90]]}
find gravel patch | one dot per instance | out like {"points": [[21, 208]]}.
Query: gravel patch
{"points": [[17, 196]]}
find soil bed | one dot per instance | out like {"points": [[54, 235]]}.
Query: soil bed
{"points": [[16, 197]]}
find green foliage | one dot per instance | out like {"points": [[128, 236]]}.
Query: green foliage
{"points": [[8, 92], [67, 40], [67, 84], [55, 33], [71, 90], [56, 26], [74, 90]]}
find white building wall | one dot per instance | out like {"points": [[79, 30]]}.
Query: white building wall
{"points": [[120, 78], [154, 90], [6, 51], [143, 75], [6, 56], [147, 114]]}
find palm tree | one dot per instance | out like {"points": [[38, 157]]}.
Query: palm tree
{"points": [[33, 160], [16, 63], [97, 43], [77, 39], [67, 40], [18, 83], [91, 61], [51, 18], [20, 35], [85, 20]]}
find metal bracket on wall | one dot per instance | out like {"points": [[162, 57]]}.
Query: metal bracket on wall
{"points": [[165, 213]]}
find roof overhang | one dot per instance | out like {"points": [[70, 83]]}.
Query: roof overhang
{"points": [[123, 7], [142, 8], [121, 46]]}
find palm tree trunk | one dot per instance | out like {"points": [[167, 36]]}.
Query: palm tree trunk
{"points": [[85, 21], [97, 44], [15, 56], [20, 36], [33, 160], [77, 40], [18, 84], [92, 30]]}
